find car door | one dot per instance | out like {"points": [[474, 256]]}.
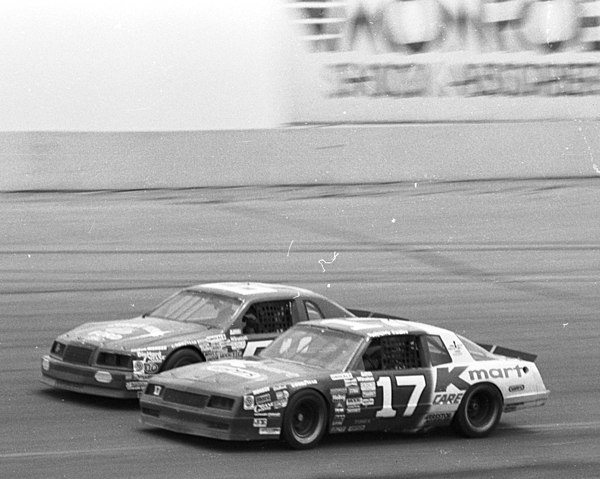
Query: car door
{"points": [[402, 383]]}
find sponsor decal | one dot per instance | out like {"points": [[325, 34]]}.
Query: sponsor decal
{"points": [[269, 431], [354, 402], [151, 368], [369, 394], [496, 373], [339, 408], [362, 421], [234, 371], [337, 429], [280, 403], [301, 384], [517, 387], [215, 338], [237, 345], [368, 402], [350, 382], [446, 377], [365, 376], [267, 414], [263, 407], [340, 376], [248, 402], [338, 397], [359, 427], [367, 385], [262, 399], [259, 422], [135, 385], [281, 395], [455, 349], [353, 390], [338, 419], [337, 391], [441, 417], [353, 410], [149, 349], [138, 368], [445, 399], [233, 332], [262, 390]]}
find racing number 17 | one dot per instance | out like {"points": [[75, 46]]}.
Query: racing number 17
{"points": [[385, 383]]}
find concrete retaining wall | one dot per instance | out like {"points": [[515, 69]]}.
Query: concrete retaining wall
{"points": [[383, 153]]}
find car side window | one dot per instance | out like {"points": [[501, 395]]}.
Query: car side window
{"points": [[268, 317], [312, 311], [438, 354], [393, 353]]}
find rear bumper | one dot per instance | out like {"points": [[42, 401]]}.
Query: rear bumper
{"points": [[206, 422], [523, 401], [89, 380]]}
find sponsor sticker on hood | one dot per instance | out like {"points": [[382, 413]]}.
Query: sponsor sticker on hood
{"points": [[234, 371]]}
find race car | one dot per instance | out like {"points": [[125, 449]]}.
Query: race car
{"points": [[199, 323], [343, 375]]}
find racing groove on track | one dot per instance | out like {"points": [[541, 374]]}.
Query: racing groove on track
{"points": [[511, 262]]}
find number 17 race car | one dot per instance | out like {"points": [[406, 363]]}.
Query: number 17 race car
{"points": [[343, 375]]}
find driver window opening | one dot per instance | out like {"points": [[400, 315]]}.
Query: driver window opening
{"points": [[392, 353], [268, 317]]}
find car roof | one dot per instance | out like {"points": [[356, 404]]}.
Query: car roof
{"points": [[254, 290], [375, 327]]}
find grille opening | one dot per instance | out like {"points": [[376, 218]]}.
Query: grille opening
{"points": [[221, 402], [188, 399], [115, 360], [57, 349], [77, 354]]}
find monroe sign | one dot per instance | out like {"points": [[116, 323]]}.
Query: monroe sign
{"points": [[433, 60]]}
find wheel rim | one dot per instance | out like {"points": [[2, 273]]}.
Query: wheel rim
{"points": [[306, 420], [480, 410]]}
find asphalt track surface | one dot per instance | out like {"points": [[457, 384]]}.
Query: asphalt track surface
{"points": [[511, 262]]}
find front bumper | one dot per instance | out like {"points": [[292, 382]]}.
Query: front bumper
{"points": [[205, 422], [90, 379]]}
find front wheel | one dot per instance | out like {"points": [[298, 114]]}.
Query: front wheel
{"points": [[183, 357], [305, 420], [479, 411]]}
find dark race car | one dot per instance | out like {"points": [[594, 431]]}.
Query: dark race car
{"points": [[199, 323], [344, 375]]}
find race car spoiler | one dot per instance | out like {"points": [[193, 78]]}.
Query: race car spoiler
{"points": [[363, 313], [511, 353]]}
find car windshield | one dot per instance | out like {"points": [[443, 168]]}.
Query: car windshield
{"points": [[191, 306], [314, 346]]}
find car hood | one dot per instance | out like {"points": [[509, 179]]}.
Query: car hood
{"points": [[236, 376], [141, 332]]}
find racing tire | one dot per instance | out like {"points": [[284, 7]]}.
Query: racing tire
{"points": [[479, 411], [305, 420], [183, 357]]}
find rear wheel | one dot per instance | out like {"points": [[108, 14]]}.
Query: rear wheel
{"points": [[305, 420], [479, 411], [183, 357]]}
